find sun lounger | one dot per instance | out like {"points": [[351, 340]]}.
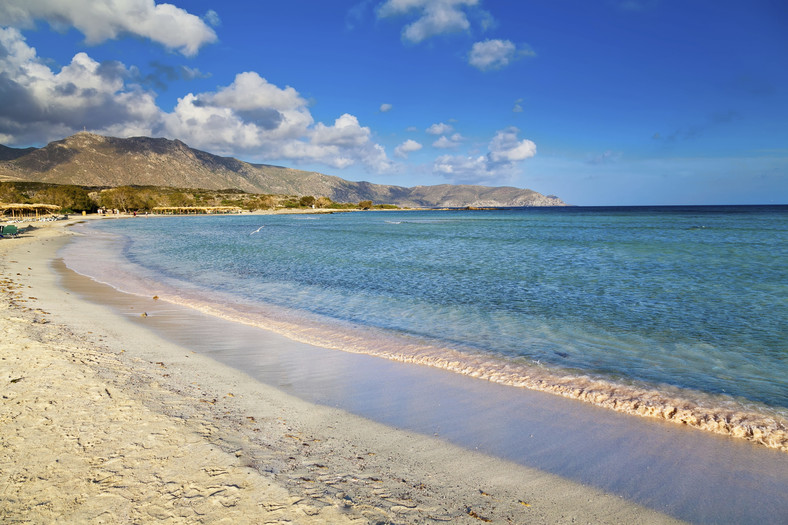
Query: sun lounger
{"points": [[9, 231]]}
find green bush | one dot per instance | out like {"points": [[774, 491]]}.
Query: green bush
{"points": [[69, 198], [306, 201], [126, 198]]}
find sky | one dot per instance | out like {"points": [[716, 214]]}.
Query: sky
{"points": [[600, 102]]}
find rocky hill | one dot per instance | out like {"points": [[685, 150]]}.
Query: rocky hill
{"points": [[87, 159], [7, 153]]}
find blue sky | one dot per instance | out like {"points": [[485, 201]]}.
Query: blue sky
{"points": [[599, 102]]}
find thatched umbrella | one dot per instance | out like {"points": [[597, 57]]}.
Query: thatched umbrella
{"points": [[28, 210]]}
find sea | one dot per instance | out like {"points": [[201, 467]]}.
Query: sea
{"points": [[675, 313]]}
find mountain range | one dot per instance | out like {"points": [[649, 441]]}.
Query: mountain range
{"points": [[87, 159]]}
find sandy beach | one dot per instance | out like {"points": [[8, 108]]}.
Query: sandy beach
{"points": [[104, 421]]}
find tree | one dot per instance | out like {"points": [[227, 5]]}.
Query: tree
{"points": [[69, 198], [365, 205], [306, 201], [261, 202], [9, 193], [180, 199], [123, 198], [323, 202]]}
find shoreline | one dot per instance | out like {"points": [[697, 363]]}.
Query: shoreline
{"points": [[760, 424], [104, 419]]}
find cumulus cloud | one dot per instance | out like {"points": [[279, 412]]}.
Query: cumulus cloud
{"points": [[385, 108], [101, 20], [505, 152], [459, 169], [339, 154], [41, 103], [433, 17], [346, 132], [277, 113], [496, 54], [506, 148], [255, 117], [406, 147], [439, 129], [250, 117], [212, 17], [445, 142]]}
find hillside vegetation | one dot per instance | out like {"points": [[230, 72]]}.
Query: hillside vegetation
{"points": [[75, 199]]}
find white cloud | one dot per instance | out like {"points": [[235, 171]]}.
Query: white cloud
{"points": [[499, 165], [212, 17], [518, 106], [254, 117], [277, 113], [101, 20], [249, 117], [211, 127], [434, 17], [346, 132], [496, 54], [462, 169], [439, 129], [406, 147], [505, 147], [384, 108], [447, 143], [39, 103]]}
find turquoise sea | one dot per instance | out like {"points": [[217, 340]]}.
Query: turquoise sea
{"points": [[643, 305]]}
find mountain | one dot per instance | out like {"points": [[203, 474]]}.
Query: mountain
{"points": [[7, 153], [87, 159]]}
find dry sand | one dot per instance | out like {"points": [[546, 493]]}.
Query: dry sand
{"points": [[102, 421]]}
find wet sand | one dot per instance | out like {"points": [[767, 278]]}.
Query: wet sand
{"points": [[106, 420], [690, 474]]}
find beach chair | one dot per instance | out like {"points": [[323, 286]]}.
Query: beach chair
{"points": [[9, 231]]}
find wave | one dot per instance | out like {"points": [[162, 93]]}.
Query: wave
{"points": [[707, 412]]}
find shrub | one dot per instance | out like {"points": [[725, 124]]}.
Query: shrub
{"points": [[69, 198], [125, 198], [306, 201], [9, 193], [323, 202]]}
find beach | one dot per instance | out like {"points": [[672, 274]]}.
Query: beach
{"points": [[104, 421]]}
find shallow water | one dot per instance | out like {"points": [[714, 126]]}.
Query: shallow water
{"points": [[643, 307], [692, 475]]}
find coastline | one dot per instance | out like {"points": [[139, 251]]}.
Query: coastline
{"points": [[104, 419]]}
